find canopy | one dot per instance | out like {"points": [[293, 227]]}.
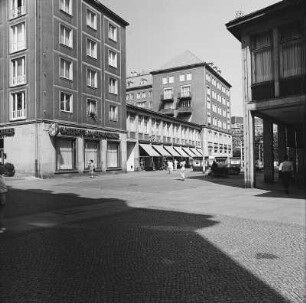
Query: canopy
{"points": [[188, 152], [149, 150], [172, 151], [161, 150], [181, 152], [200, 151], [196, 152]]}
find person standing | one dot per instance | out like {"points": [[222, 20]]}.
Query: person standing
{"points": [[182, 173], [169, 166], [3, 192], [286, 172], [91, 166], [175, 164]]}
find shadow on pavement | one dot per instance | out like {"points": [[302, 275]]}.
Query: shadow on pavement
{"points": [[136, 256]]}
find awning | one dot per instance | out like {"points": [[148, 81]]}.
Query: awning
{"points": [[188, 152], [149, 150], [200, 151], [181, 152], [161, 150], [196, 152], [172, 151]]}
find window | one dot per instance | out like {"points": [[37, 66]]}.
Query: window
{"points": [[112, 157], [208, 77], [65, 154], [66, 102], [112, 32], [66, 6], [164, 80], [208, 90], [141, 104], [171, 79], [292, 51], [168, 93], [189, 77], [66, 69], [143, 95], [92, 152], [262, 69], [91, 107], [91, 19], [112, 58], [185, 91], [182, 77], [66, 35], [150, 94], [18, 107], [113, 86], [17, 37], [17, 8], [208, 105], [92, 78], [91, 49], [113, 113], [138, 96], [18, 75]]}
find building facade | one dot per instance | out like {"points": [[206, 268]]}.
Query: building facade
{"points": [[62, 86], [274, 67]]}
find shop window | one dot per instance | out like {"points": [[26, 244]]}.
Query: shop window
{"points": [[112, 155], [65, 154], [92, 152]]}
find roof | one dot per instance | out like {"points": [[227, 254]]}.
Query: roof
{"points": [[139, 80], [276, 9], [184, 59]]}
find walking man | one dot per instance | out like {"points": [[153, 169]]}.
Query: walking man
{"points": [[286, 171]]}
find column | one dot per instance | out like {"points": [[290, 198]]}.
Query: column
{"points": [[123, 152], [103, 154], [268, 151], [249, 164], [281, 132], [80, 154]]}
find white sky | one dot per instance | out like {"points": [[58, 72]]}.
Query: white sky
{"points": [[159, 30]]}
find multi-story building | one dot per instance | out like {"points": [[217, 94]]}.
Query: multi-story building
{"points": [[237, 134], [139, 90], [191, 90], [274, 67], [62, 86]]}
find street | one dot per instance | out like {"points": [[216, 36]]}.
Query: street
{"points": [[151, 237]]}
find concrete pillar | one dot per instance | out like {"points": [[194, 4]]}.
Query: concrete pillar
{"points": [[80, 154], [103, 155], [123, 152], [291, 144], [268, 151], [281, 132], [249, 176]]}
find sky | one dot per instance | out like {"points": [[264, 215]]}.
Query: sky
{"points": [[160, 30]]}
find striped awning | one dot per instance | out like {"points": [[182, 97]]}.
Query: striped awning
{"points": [[188, 152], [172, 151], [196, 152], [200, 151], [149, 150], [181, 152], [161, 150]]}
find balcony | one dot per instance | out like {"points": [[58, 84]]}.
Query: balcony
{"points": [[293, 86], [19, 114], [167, 97], [167, 111], [18, 80], [184, 110], [185, 95], [263, 91]]}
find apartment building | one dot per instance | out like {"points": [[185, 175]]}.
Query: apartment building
{"points": [[62, 86], [274, 67]]}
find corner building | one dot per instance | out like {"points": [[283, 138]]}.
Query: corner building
{"points": [[62, 86]]}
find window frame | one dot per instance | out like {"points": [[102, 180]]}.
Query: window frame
{"points": [[70, 72], [112, 32], [62, 7], [14, 36], [113, 115], [62, 40], [13, 102], [92, 81], [93, 24], [113, 62], [62, 93]]}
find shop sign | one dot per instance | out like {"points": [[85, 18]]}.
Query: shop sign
{"points": [[53, 130], [7, 132], [153, 138], [77, 132]]}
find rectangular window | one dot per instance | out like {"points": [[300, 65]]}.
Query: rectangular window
{"points": [[185, 91], [182, 77], [91, 49], [66, 102], [92, 80], [66, 36], [91, 19], [92, 152], [112, 58], [66, 6], [18, 106], [91, 107], [113, 113], [164, 80], [17, 37], [138, 96], [66, 69], [112, 32], [292, 51], [18, 75], [143, 95], [189, 77], [112, 155], [171, 79], [113, 86], [168, 93], [65, 154], [17, 8], [262, 68]]}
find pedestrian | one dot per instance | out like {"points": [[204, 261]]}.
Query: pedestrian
{"points": [[169, 166], [3, 191], [182, 172], [286, 173], [175, 164], [91, 167]]}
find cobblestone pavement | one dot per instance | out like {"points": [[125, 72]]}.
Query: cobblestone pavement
{"points": [[131, 239]]}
